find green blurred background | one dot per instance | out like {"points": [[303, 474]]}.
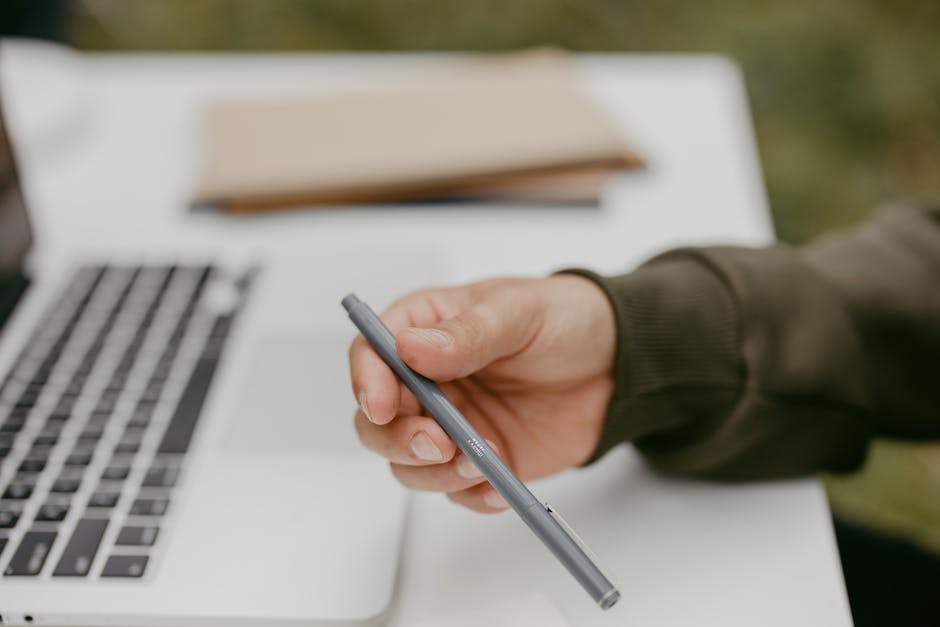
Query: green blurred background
{"points": [[845, 98]]}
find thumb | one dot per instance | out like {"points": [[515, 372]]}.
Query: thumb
{"points": [[497, 327]]}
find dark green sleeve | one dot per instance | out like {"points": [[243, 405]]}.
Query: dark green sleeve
{"points": [[737, 363]]}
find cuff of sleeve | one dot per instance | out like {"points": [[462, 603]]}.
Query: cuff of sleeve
{"points": [[677, 339]]}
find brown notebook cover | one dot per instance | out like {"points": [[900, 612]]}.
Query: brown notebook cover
{"points": [[516, 127]]}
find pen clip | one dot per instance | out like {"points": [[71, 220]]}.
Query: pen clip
{"points": [[577, 540]]}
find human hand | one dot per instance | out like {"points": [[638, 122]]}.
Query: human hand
{"points": [[529, 362]]}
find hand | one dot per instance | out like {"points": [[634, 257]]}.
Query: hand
{"points": [[528, 361]]}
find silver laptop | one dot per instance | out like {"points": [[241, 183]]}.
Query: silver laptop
{"points": [[168, 460]]}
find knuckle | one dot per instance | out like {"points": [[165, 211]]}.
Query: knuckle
{"points": [[470, 327]]}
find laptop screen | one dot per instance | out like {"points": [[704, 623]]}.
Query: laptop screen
{"points": [[15, 233]]}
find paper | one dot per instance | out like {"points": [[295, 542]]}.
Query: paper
{"points": [[531, 609]]}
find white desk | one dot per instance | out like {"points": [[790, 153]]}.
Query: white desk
{"points": [[115, 139]]}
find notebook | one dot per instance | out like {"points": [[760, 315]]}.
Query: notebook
{"points": [[515, 127]]}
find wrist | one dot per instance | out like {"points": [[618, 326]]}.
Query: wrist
{"points": [[592, 310]]}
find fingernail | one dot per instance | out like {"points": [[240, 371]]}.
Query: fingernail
{"points": [[494, 500], [364, 405], [433, 336], [467, 469], [424, 449]]}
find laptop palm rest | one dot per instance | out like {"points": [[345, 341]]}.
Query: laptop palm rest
{"points": [[295, 398]]}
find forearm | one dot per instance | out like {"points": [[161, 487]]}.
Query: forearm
{"points": [[739, 363]]}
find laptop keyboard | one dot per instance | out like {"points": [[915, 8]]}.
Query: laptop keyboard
{"points": [[97, 415]]}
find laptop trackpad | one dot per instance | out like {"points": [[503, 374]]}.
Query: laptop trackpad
{"points": [[295, 397]]}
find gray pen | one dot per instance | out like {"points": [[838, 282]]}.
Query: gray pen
{"points": [[541, 519]]}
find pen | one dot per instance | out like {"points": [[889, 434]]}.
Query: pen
{"points": [[550, 528]]}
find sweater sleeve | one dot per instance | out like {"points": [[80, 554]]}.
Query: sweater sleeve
{"points": [[736, 363]]}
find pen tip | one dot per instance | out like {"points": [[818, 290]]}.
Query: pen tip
{"points": [[349, 300]]}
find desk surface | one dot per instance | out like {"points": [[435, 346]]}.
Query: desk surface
{"points": [[116, 138]]}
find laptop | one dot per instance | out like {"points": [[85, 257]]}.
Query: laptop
{"points": [[168, 458]]}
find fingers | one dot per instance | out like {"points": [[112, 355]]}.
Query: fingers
{"points": [[424, 458], [481, 498], [459, 478], [411, 440], [455, 475], [444, 334], [499, 325], [375, 386]]}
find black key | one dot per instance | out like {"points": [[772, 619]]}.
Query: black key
{"points": [[127, 447], [222, 326], [41, 375], [12, 425], [151, 394], [64, 485], [139, 420], [142, 414], [138, 535], [160, 477], [155, 386], [149, 507], [26, 478], [84, 447], [52, 512], [8, 518], [132, 432], [99, 418], [162, 371], [92, 432], [19, 413], [107, 402], [29, 397], [39, 449], [80, 552], [104, 498], [57, 418], [116, 472], [134, 345], [89, 438], [88, 363], [31, 553], [79, 458], [127, 362], [65, 406], [157, 377], [121, 459], [52, 428], [32, 465], [118, 380], [46, 440], [4, 451], [180, 430], [125, 566], [18, 491]]}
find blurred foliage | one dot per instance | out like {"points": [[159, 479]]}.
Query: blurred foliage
{"points": [[897, 491], [845, 97]]}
